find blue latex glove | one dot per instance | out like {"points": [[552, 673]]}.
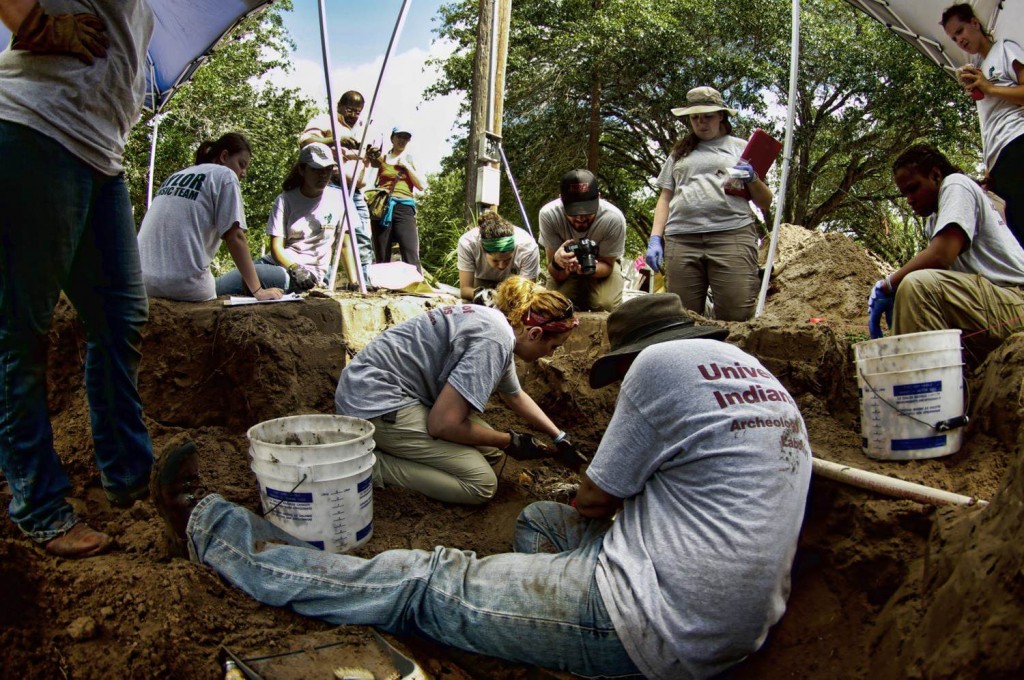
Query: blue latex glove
{"points": [[744, 172], [655, 256], [881, 301]]}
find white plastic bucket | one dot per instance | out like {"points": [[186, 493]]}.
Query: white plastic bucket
{"points": [[311, 439], [907, 343], [315, 476], [918, 360], [899, 411]]}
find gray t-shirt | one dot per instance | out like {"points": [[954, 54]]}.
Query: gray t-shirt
{"points": [[467, 346], [608, 229], [1001, 121], [993, 251], [697, 181], [183, 229], [710, 453], [89, 110], [309, 225], [525, 259]]}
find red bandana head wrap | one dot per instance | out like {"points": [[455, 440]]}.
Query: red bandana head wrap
{"points": [[563, 324]]}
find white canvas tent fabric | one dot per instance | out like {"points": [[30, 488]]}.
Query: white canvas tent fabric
{"points": [[917, 22]]}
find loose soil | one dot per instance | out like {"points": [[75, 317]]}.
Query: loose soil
{"points": [[882, 587]]}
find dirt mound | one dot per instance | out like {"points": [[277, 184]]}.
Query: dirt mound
{"points": [[821, 276]]}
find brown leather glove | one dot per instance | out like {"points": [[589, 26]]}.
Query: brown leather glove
{"points": [[81, 35]]}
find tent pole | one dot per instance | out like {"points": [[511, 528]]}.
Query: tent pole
{"points": [[395, 34], [787, 152], [349, 218], [155, 124]]}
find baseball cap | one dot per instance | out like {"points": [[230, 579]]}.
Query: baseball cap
{"points": [[317, 155], [399, 129], [580, 193]]}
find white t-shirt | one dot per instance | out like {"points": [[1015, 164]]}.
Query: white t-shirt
{"points": [[473, 258], [697, 181], [710, 453], [183, 229], [993, 251], [1001, 121], [88, 108], [467, 346], [608, 229], [309, 226]]}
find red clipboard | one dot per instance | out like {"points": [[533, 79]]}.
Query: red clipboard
{"points": [[761, 151]]}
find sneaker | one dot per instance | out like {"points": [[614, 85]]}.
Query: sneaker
{"points": [[175, 488]]}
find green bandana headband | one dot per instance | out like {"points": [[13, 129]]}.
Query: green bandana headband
{"points": [[501, 244]]}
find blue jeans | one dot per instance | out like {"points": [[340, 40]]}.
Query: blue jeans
{"points": [[65, 227], [527, 606], [363, 238], [270, 275]]}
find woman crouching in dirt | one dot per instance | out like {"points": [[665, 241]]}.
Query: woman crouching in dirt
{"points": [[423, 383]]}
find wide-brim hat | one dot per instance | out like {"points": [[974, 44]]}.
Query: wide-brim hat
{"points": [[641, 322], [703, 99]]}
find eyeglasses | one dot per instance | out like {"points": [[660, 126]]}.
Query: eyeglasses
{"points": [[351, 110]]}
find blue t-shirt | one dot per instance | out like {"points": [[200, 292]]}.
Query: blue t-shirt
{"points": [[710, 453]]}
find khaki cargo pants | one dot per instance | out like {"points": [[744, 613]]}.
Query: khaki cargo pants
{"points": [[590, 294], [725, 261], [936, 299], [409, 457]]}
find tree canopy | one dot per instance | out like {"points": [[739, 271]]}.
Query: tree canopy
{"points": [[591, 83]]}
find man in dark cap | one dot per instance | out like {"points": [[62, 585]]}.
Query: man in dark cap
{"points": [[705, 467], [584, 236]]}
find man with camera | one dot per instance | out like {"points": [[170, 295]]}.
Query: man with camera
{"points": [[584, 236]]}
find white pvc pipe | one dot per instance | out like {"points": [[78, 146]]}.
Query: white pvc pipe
{"points": [[891, 486], [787, 152], [349, 219], [155, 123]]}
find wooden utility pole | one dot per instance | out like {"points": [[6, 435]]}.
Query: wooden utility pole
{"points": [[478, 102], [504, 24]]}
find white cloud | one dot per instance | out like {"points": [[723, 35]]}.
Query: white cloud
{"points": [[400, 100]]}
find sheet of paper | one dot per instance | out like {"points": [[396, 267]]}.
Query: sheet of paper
{"points": [[243, 300]]}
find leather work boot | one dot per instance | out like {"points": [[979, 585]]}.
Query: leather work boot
{"points": [[175, 488], [79, 541]]}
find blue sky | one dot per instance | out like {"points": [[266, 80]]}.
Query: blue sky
{"points": [[357, 32], [358, 41]]}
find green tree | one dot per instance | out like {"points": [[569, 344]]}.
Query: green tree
{"points": [[864, 94], [228, 93]]}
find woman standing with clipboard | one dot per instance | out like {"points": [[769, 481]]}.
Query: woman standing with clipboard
{"points": [[704, 236]]}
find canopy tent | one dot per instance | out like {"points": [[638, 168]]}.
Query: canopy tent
{"points": [[917, 22]]}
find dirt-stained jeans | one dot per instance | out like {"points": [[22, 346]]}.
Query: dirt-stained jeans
{"points": [[536, 608], [64, 227], [936, 299], [407, 456], [725, 261]]}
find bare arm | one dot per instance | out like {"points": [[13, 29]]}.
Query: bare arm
{"points": [[592, 501], [412, 174], [760, 194], [466, 280], [13, 12], [661, 213], [449, 420], [562, 259], [524, 405], [234, 239], [279, 252], [972, 77], [940, 253]]}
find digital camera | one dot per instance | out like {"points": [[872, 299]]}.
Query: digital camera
{"points": [[586, 252]]}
